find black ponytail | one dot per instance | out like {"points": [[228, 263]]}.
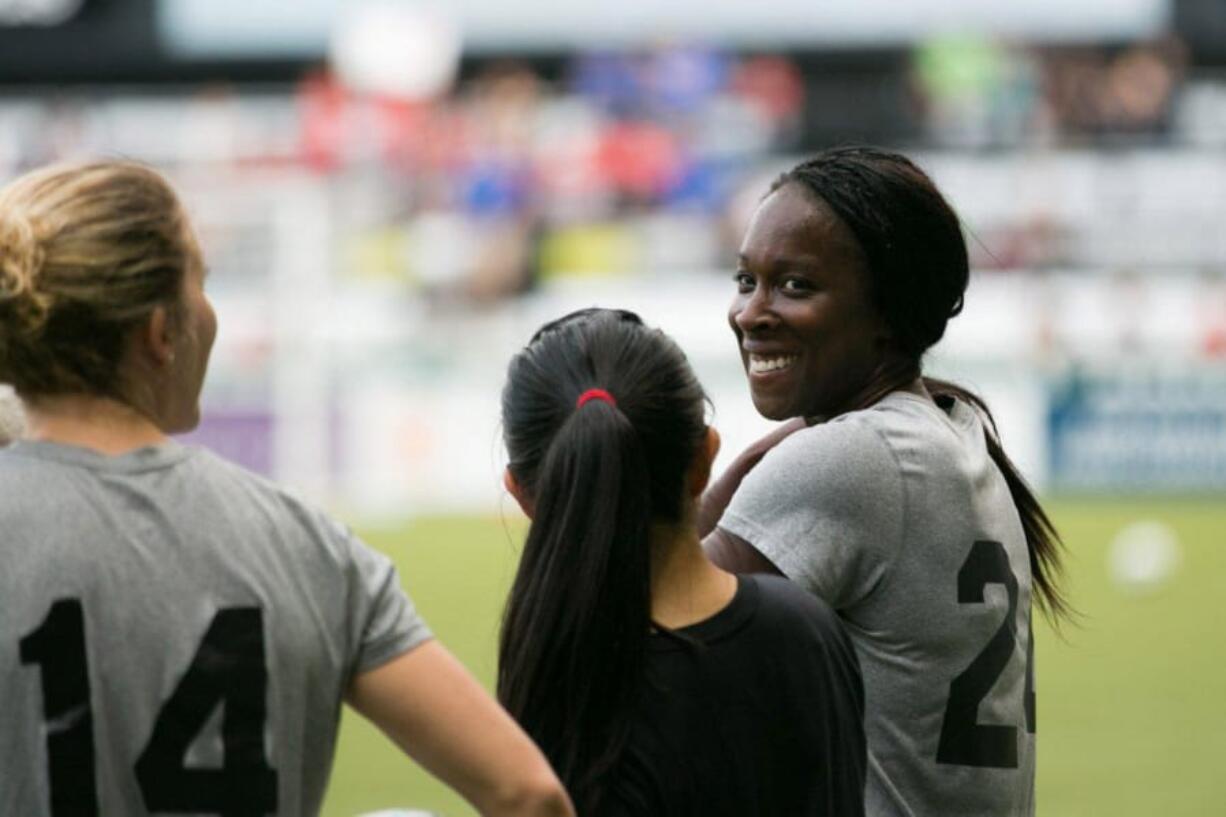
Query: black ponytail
{"points": [[1042, 539], [574, 635]]}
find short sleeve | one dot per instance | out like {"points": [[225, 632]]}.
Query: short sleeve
{"points": [[383, 623], [826, 506]]}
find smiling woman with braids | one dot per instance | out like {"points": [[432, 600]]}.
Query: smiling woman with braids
{"points": [[892, 499], [657, 684]]}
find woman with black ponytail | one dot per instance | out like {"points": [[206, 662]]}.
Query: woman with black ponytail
{"points": [[887, 494], [656, 683]]}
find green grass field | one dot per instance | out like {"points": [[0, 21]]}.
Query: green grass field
{"points": [[1131, 702]]}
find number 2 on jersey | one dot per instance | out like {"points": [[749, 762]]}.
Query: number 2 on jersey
{"points": [[228, 668], [964, 741]]}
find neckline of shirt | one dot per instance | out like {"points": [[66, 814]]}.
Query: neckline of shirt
{"points": [[146, 458], [734, 615], [960, 414]]}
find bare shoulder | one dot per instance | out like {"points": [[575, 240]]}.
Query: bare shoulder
{"points": [[733, 554]]}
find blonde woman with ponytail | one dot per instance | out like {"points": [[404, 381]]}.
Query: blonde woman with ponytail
{"points": [[148, 586]]}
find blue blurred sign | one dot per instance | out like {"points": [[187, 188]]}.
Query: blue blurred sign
{"points": [[1159, 431]]}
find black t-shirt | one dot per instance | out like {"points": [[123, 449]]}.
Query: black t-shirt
{"points": [[758, 710]]}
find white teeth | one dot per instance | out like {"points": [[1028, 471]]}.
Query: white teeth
{"points": [[761, 365]]}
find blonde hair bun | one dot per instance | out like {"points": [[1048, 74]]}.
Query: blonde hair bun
{"points": [[87, 252], [23, 308]]}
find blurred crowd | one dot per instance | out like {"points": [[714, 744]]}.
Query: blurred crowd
{"points": [[1090, 180], [616, 163], [981, 92]]}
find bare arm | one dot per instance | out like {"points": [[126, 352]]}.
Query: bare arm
{"points": [[429, 704], [716, 498], [732, 553]]}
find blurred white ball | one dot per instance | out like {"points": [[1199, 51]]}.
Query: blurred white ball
{"points": [[1144, 555], [397, 49]]}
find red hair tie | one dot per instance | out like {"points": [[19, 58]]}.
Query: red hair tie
{"points": [[595, 394]]}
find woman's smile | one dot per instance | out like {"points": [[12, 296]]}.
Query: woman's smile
{"points": [[770, 364]]}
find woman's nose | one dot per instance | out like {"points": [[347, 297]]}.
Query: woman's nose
{"points": [[754, 312]]}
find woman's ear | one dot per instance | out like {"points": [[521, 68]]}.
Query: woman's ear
{"points": [[704, 458], [156, 338], [516, 490]]}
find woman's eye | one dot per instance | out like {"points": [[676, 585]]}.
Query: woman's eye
{"points": [[744, 281], [794, 286]]}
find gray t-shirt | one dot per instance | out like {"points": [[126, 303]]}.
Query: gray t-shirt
{"points": [[898, 518], [176, 635]]}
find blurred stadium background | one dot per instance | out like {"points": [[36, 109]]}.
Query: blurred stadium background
{"points": [[393, 194]]}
